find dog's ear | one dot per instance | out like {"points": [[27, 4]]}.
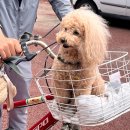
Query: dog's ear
{"points": [[96, 37]]}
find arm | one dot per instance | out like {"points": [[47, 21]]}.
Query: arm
{"points": [[8, 46], [61, 7]]}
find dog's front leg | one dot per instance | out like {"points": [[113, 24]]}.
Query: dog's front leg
{"points": [[98, 87], [62, 94], [83, 88]]}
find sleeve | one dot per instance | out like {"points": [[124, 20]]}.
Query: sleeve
{"points": [[61, 7], [0, 26]]}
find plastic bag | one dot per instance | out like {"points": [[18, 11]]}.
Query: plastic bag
{"points": [[7, 90]]}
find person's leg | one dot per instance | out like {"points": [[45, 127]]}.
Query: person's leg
{"points": [[18, 117]]}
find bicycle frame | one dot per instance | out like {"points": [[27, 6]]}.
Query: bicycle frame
{"points": [[46, 121]]}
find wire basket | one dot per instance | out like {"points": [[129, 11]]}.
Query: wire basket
{"points": [[90, 110]]}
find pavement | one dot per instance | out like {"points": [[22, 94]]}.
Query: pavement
{"points": [[46, 18]]}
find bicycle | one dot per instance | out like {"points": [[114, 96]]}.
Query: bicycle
{"points": [[56, 119]]}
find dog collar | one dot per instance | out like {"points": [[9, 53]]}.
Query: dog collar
{"points": [[66, 62]]}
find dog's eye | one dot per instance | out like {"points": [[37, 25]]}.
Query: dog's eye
{"points": [[76, 32], [65, 29]]}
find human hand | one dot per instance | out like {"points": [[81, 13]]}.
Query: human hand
{"points": [[9, 47]]}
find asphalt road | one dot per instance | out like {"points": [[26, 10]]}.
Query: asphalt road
{"points": [[120, 32], [120, 41]]}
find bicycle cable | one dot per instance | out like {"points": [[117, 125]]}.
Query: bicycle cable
{"points": [[42, 37], [50, 30]]}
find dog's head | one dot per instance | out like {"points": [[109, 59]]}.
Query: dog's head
{"points": [[85, 31], [71, 33]]}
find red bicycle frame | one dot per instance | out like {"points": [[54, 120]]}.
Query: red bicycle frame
{"points": [[43, 124]]}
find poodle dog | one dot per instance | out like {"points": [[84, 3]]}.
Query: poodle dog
{"points": [[83, 39]]}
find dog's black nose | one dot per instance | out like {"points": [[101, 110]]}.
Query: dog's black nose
{"points": [[63, 40]]}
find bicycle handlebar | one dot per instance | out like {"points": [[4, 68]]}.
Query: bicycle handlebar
{"points": [[43, 45], [25, 41], [30, 55]]}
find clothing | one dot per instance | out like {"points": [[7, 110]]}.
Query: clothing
{"points": [[20, 2], [0, 27], [61, 7], [16, 20]]}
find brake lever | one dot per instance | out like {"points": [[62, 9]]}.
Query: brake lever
{"points": [[27, 55], [25, 38], [30, 57]]}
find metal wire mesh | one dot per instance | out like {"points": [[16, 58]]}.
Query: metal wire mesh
{"points": [[89, 110]]}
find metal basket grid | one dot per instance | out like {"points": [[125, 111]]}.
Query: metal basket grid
{"points": [[91, 110]]}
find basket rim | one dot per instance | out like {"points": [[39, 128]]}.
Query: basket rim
{"points": [[123, 54]]}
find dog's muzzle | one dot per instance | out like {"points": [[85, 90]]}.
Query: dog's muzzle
{"points": [[64, 42]]}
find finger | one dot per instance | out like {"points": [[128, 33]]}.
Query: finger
{"points": [[7, 52], [3, 54], [12, 49], [17, 47]]}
